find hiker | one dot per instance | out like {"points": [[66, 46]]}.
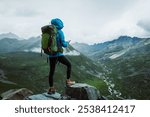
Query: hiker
{"points": [[59, 56]]}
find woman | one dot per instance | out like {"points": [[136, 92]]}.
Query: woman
{"points": [[59, 56]]}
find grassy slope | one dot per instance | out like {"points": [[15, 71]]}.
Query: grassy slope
{"points": [[131, 75], [31, 71]]}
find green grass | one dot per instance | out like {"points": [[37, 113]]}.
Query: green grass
{"points": [[99, 84], [30, 70], [4, 87], [131, 75]]}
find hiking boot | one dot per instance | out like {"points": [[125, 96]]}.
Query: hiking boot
{"points": [[51, 90], [70, 82]]}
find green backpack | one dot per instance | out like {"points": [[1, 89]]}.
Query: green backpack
{"points": [[48, 41]]}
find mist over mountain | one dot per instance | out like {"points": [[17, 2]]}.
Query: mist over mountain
{"points": [[12, 44], [9, 35], [100, 49]]}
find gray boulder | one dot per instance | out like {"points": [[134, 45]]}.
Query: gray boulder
{"points": [[82, 91], [16, 94], [45, 96]]}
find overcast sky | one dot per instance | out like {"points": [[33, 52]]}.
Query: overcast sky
{"points": [[88, 21]]}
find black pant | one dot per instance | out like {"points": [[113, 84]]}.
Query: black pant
{"points": [[53, 62]]}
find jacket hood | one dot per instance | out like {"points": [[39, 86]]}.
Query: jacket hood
{"points": [[58, 23]]}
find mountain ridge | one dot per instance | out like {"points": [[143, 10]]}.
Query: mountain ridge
{"points": [[116, 45], [9, 35], [126, 64]]}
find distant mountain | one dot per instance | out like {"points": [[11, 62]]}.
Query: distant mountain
{"points": [[32, 44], [82, 47], [109, 48], [13, 45], [126, 64], [9, 35]]}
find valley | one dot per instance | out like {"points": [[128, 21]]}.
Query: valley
{"points": [[119, 69], [126, 65]]}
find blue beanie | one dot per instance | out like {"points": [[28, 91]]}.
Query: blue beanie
{"points": [[58, 23]]}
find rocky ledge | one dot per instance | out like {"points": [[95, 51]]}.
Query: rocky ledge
{"points": [[78, 91]]}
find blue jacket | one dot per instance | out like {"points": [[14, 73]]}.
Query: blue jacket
{"points": [[60, 36]]}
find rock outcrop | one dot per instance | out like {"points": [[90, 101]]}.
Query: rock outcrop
{"points": [[78, 91], [82, 91], [16, 94], [45, 96]]}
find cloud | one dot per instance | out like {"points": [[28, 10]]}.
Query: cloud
{"points": [[26, 12], [145, 25], [89, 21]]}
